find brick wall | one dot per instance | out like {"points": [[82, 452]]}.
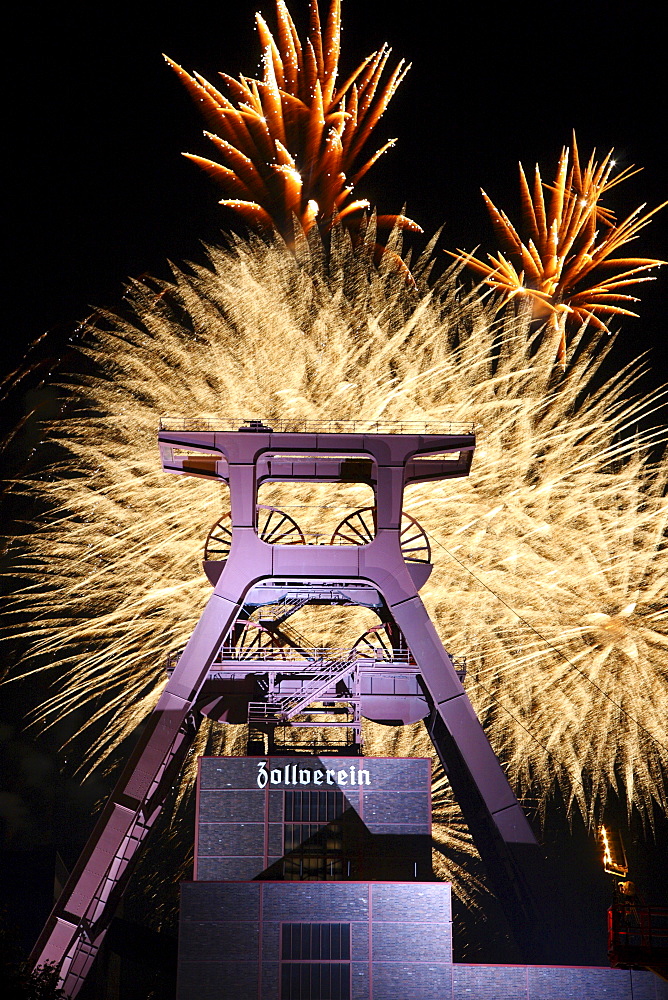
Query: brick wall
{"points": [[240, 825], [527, 982], [401, 932], [229, 936]]}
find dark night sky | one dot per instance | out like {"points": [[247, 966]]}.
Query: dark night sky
{"points": [[98, 191]]}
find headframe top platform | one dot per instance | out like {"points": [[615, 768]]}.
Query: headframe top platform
{"points": [[307, 451], [323, 425]]}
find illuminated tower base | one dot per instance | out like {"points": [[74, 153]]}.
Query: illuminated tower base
{"points": [[315, 885], [313, 881]]}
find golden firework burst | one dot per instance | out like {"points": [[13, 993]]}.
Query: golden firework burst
{"points": [[293, 144], [551, 567], [559, 258]]}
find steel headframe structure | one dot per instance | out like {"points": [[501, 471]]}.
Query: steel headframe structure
{"points": [[376, 562]]}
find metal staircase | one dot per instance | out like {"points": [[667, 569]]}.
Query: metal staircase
{"points": [[317, 681], [327, 675]]}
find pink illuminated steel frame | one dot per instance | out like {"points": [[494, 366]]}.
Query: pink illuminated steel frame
{"points": [[245, 458]]}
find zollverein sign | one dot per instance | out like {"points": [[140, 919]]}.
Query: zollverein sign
{"points": [[293, 774]]}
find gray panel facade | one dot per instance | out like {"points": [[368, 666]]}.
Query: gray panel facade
{"points": [[240, 813], [229, 944], [543, 982], [401, 946], [242, 902]]}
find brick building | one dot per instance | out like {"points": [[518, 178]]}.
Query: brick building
{"points": [[313, 881]]}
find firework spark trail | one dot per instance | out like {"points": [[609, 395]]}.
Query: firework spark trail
{"points": [[292, 143], [558, 257], [563, 516]]}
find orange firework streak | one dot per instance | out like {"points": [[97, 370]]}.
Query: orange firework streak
{"points": [[290, 143], [560, 261]]}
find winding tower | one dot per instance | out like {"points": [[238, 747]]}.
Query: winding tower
{"points": [[246, 662]]}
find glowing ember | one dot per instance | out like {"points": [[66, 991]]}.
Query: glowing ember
{"points": [[614, 856]]}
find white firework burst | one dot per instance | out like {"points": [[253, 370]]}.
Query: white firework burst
{"points": [[551, 568]]}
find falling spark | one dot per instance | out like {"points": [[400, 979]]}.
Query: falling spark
{"points": [[551, 566], [293, 144], [559, 258], [613, 865]]}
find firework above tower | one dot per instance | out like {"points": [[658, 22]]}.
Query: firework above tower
{"points": [[558, 258], [294, 144]]}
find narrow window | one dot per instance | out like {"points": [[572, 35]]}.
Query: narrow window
{"points": [[315, 962], [313, 836]]}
